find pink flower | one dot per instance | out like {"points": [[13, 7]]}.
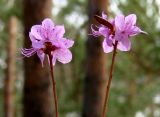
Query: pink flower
{"points": [[125, 27], [46, 39], [104, 31], [121, 30]]}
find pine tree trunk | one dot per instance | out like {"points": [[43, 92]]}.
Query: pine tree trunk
{"points": [[37, 87], [95, 80], [9, 83]]}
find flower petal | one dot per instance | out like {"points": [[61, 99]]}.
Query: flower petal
{"points": [[124, 45], [36, 31], [35, 42], [120, 22], [107, 45], [131, 19], [41, 56], [135, 30], [47, 27], [48, 24], [54, 59], [104, 31], [94, 31], [121, 35], [63, 55], [59, 31], [104, 16], [68, 43]]}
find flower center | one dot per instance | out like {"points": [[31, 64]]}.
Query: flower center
{"points": [[48, 48], [123, 32]]}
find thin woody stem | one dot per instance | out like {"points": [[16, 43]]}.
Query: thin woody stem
{"points": [[53, 84], [109, 81]]}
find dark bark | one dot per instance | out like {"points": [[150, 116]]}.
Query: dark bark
{"points": [[37, 87], [9, 83], [95, 80]]}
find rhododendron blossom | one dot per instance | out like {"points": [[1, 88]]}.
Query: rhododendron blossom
{"points": [[119, 29], [116, 35], [47, 39]]}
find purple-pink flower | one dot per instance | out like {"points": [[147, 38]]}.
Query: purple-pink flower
{"points": [[47, 39], [123, 29]]}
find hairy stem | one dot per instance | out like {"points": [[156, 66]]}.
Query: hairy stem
{"points": [[53, 84], [110, 80]]}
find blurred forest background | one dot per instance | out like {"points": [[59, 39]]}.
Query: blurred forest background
{"points": [[25, 89]]}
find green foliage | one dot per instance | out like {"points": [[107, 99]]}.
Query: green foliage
{"points": [[9, 8]]}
